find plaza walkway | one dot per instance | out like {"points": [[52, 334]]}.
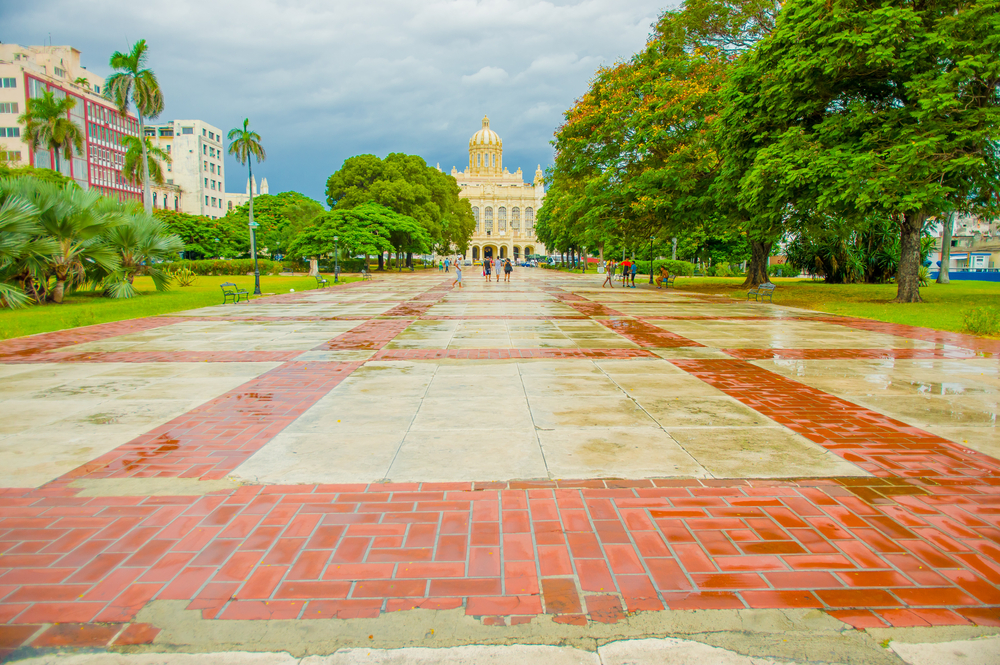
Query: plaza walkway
{"points": [[539, 450]]}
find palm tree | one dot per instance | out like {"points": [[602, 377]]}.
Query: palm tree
{"points": [[133, 81], [17, 226], [132, 168], [139, 241], [46, 123], [75, 220], [244, 144]]}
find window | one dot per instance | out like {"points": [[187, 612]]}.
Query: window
{"points": [[211, 152], [206, 200], [204, 149], [213, 184], [479, 160], [502, 219], [8, 83], [168, 147], [203, 132], [211, 135], [489, 220], [97, 89], [515, 218], [213, 203], [475, 216], [230, 205], [220, 169], [10, 132], [11, 155], [8, 107], [59, 72], [206, 182], [187, 130], [529, 219], [206, 165], [154, 199], [212, 167]]}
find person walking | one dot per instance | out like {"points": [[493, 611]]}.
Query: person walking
{"points": [[507, 270], [498, 268], [458, 276], [447, 263], [625, 264], [486, 269], [609, 274], [634, 269]]}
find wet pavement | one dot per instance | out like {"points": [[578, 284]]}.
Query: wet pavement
{"points": [[539, 452]]}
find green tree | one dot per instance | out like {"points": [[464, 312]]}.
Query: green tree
{"points": [[45, 124], [135, 83], [45, 175], [205, 237], [406, 184], [19, 244], [135, 149], [279, 217], [245, 145], [886, 108]]}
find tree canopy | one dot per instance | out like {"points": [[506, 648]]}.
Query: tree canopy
{"points": [[405, 184], [280, 218]]}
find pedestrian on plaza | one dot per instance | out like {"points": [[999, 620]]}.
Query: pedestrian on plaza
{"points": [[440, 266], [498, 268], [507, 270], [458, 276], [447, 263], [634, 269], [609, 275], [486, 269], [625, 264]]}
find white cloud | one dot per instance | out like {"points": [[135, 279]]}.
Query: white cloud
{"points": [[323, 80]]}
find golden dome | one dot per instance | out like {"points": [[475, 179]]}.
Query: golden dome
{"points": [[485, 136]]}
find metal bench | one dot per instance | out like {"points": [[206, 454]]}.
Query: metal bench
{"points": [[765, 290], [233, 293], [321, 281], [365, 273]]}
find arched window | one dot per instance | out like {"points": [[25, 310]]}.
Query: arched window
{"points": [[529, 219], [515, 218], [475, 215], [479, 160], [489, 220], [501, 219]]}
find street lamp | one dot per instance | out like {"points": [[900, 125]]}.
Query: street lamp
{"points": [[336, 260], [253, 250], [651, 259]]}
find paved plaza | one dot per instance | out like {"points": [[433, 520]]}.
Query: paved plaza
{"points": [[541, 462]]}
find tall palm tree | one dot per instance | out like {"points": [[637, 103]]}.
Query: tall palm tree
{"points": [[134, 82], [46, 123], [132, 168], [244, 144]]}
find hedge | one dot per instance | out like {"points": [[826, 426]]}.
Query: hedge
{"points": [[783, 270], [224, 267], [675, 267]]}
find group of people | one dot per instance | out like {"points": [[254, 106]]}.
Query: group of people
{"points": [[495, 266], [625, 270]]}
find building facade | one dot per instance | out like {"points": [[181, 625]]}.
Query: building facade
{"points": [[234, 200], [196, 151], [505, 207], [27, 72]]}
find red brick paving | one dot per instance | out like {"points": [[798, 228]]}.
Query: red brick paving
{"points": [[916, 544], [855, 354]]}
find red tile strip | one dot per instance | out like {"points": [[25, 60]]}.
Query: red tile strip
{"points": [[159, 357], [877, 443], [213, 439], [646, 335], [372, 335], [854, 354], [507, 354], [18, 348]]}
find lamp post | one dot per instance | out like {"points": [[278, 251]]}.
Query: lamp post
{"points": [[336, 260], [651, 238]]}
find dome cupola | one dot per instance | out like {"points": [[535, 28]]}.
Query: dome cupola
{"points": [[485, 151]]}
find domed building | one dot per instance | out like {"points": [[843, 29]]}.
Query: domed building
{"points": [[504, 206]]}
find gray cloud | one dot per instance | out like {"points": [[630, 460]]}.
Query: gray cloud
{"points": [[321, 80]]}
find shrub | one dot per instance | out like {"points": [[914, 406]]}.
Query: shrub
{"points": [[783, 270], [924, 276], [183, 276], [675, 267], [982, 321], [720, 270], [226, 267]]}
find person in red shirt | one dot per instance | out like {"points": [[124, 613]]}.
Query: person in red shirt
{"points": [[626, 269]]}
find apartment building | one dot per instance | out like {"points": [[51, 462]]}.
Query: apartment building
{"points": [[27, 72], [196, 150]]}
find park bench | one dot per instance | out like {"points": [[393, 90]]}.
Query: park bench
{"points": [[230, 290], [321, 281], [765, 290], [365, 273]]}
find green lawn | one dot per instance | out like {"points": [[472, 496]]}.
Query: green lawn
{"points": [[942, 308], [85, 308]]}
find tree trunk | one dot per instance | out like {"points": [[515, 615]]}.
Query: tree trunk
{"points": [[907, 277], [313, 267], [600, 254], [757, 270], [381, 260], [147, 197], [58, 291], [409, 260], [949, 224]]}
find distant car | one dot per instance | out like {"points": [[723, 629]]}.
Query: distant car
{"points": [[467, 263], [477, 263]]}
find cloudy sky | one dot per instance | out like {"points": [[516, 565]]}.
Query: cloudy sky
{"points": [[322, 80]]}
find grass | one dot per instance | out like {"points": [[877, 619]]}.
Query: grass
{"points": [[86, 308], [943, 307]]}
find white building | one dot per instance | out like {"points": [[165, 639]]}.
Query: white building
{"points": [[505, 207], [234, 200], [196, 150]]}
